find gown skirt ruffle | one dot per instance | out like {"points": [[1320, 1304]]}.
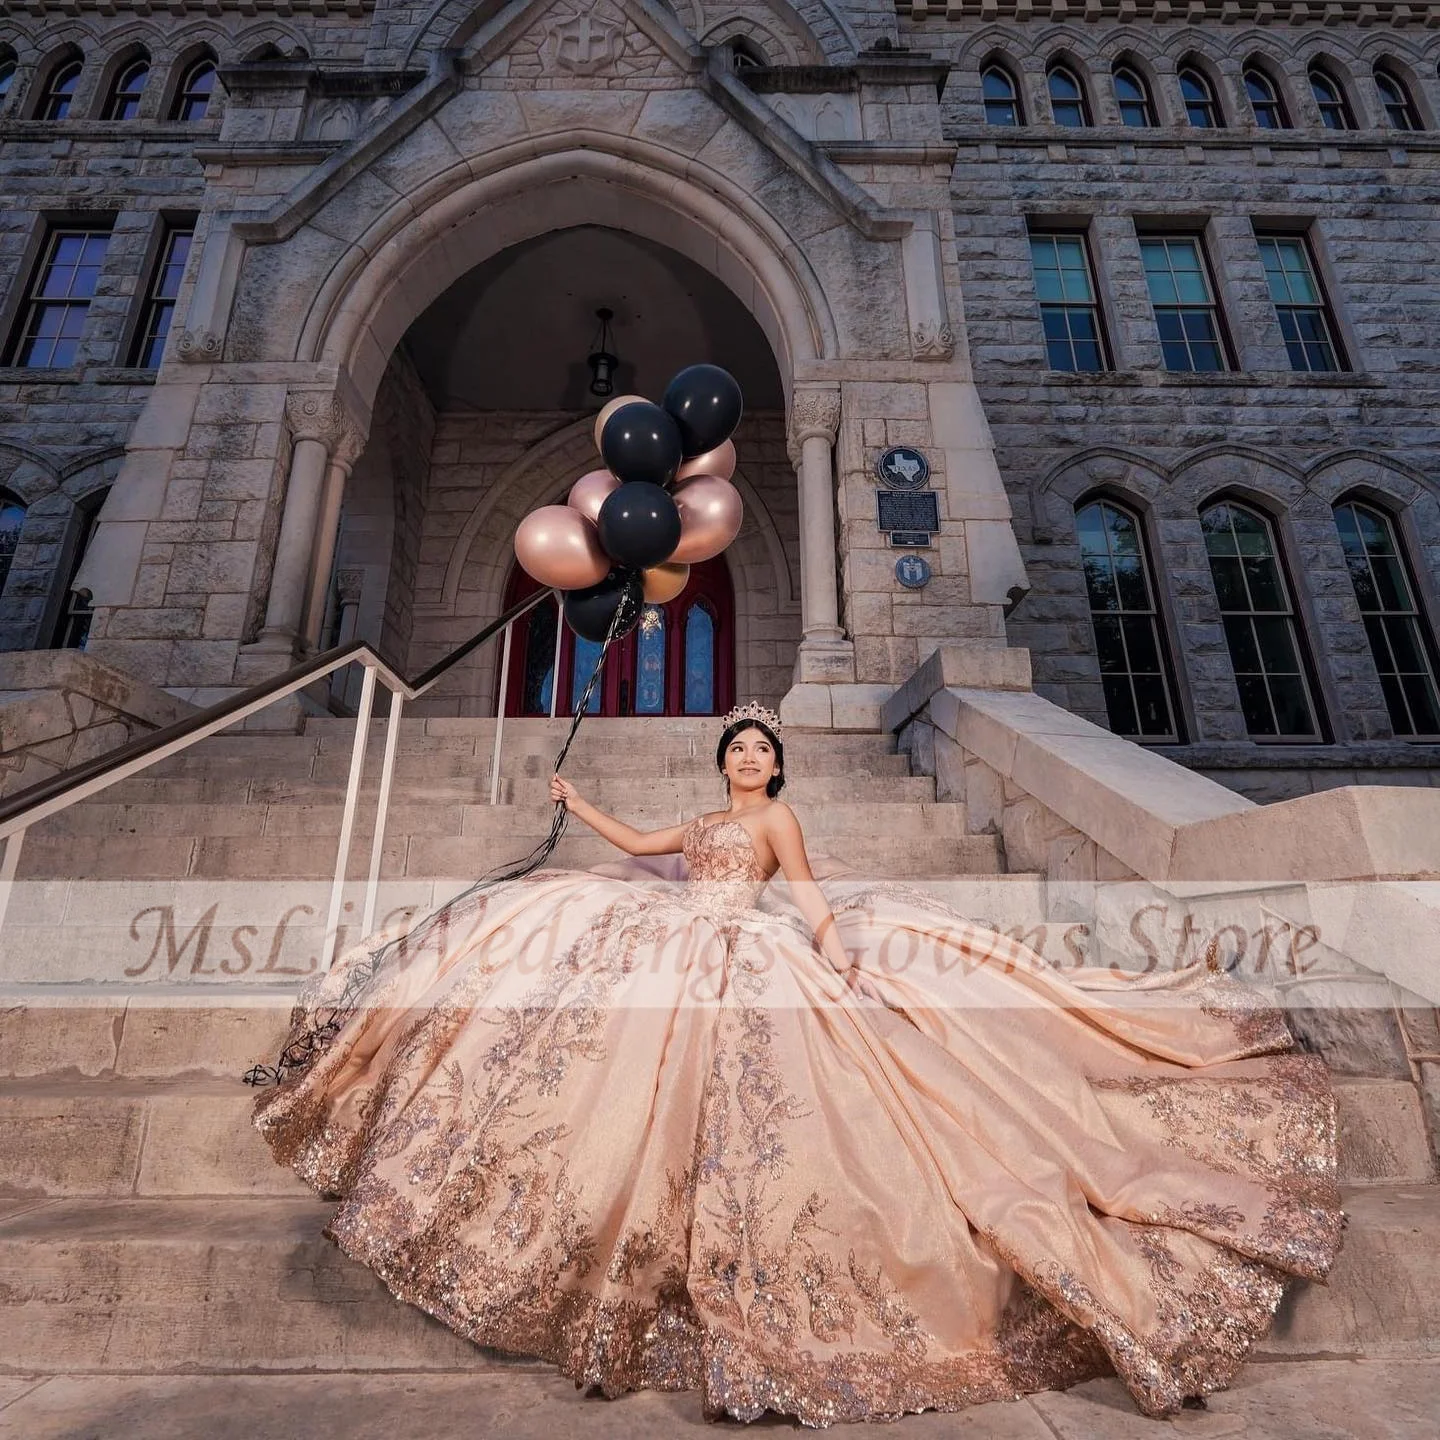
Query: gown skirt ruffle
{"points": [[646, 1133]]}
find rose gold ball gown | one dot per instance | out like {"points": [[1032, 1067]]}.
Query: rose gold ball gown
{"points": [[652, 1138]]}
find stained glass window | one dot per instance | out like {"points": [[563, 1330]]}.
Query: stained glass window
{"points": [[12, 517], [587, 654], [699, 661], [650, 663]]}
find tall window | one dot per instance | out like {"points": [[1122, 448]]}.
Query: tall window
{"points": [[1063, 283], [1186, 314], [1330, 100], [1202, 109], [1133, 669], [699, 678], [160, 297], [1068, 105], [1133, 96], [1403, 649], [1395, 96], [7, 73], [124, 99], [1265, 100], [192, 102], [12, 517], [650, 662], [72, 629], [1305, 319], [1002, 97], [537, 638], [59, 297], [1260, 627], [60, 91]]}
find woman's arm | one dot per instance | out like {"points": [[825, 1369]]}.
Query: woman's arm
{"points": [[783, 832], [617, 832]]}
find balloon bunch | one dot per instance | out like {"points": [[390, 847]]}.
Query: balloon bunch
{"points": [[629, 533]]}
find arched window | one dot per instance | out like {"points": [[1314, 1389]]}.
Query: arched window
{"points": [[7, 72], [60, 90], [1403, 648], [123, 102], [700, 660], [1068, 105], [535, 634], [1133, 96], [1330, 100], [1260, 627], [72, 629], [1134, 667], [744, 55], [192, 100], [12, 517], [650, 662], [1202, 109], [1002, 97], [1395, 96], [1265, 100]]}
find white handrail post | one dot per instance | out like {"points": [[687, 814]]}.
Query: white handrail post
{"points": [[555, 661], [347, 820], [382, 810], [9, 864], [500, 714]]}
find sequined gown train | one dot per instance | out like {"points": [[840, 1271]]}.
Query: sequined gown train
{"points": [[645, 1133]]}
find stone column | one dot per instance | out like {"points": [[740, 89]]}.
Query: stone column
{"points": [[326, 538], [320, 426], [824, 655]]}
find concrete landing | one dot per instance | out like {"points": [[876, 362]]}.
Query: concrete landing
{"points": [[1318, 1400]]}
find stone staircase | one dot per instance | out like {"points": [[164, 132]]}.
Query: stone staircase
{"points": [[143, 1227]]}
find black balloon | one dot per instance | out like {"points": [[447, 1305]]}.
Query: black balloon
{"points": [[590, 611], [641, 444], [639, 525], [706, 405]]}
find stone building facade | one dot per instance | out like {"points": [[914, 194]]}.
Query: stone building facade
{"points": [[395, 221]]}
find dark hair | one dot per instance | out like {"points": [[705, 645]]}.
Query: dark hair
{"points": [[776, 783]]}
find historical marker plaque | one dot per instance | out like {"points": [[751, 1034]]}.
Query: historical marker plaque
{"points": [[909, 510]]}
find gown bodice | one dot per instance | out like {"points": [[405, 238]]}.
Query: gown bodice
{"points": [[725, 873]]}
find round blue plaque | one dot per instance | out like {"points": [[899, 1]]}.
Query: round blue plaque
{"points": [[912, 571], [902, 467]]}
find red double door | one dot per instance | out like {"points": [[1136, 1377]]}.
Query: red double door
{"points": [[679, 660]]}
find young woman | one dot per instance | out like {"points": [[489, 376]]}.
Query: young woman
{"points": [[837, 1160]]}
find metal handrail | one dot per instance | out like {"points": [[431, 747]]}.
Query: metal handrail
{"points": [[57, 792]]}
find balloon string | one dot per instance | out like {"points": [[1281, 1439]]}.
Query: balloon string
{"points": [[322, 1025]]}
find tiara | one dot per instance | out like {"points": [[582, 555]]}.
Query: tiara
{"points": [[754, 710]]}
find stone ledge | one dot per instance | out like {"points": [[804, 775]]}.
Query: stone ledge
{"points": [[979, 666]]}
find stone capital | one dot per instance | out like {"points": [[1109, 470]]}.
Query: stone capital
{"points": [[814, 412], [321, 415]]}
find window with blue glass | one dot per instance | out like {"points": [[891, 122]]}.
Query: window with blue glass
{"points": [[1202, 109], [1300, 304], [1002, 97], [1069, 312], [56, 308], [699, 660], [60, 91], [587, 654], [128, 90], [650, 662], [1068, 105], [163, 292], [539, 649], [1186, 314], [1132, 95], [12, 517]]}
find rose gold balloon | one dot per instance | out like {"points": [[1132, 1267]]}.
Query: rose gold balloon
{"points": [[665, 582], [611, 406], [558, 546], [710, 514], [719, 462], [588, 493]]}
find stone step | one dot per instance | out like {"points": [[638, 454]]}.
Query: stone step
{"points": [[117, 1136], [908, 818], [248, 1283], [300, 857]]}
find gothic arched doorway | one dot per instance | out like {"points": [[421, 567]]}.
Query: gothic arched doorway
{"points": [[680, 659]]}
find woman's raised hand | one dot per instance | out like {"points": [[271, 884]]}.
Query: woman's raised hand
{"points": [[562, 792]]}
